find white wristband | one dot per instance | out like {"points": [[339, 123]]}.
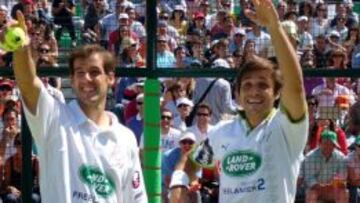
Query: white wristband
{"points": [[179, 178]]}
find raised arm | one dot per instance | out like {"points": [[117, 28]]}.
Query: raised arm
{"points": [[293, 93], [25, 71]]}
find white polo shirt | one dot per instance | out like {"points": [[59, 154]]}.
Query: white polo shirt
{"points": [[256, 165], [80, 162]]}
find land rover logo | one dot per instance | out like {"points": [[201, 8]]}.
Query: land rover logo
{"points": [[101, 182], [241, 163]]}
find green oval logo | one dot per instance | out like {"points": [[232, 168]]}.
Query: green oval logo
{"points": [[102, 183], [241, 163]]}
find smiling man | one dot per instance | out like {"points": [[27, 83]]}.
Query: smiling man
{"points": [[85, 153], [259, 152]]}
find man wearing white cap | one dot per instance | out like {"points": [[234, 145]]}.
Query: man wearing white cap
{"points": [[238, 41], [305, 38], [172, 157], [184, 106], [110, 22]]}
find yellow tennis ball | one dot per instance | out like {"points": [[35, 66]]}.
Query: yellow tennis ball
{"points": [[15, 38]]}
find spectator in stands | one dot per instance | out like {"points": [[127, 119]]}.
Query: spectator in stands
{"points": [[307, 60], [47, 37], [136, 123], [130, 57], [11, 184], [320, 23], [135, 26], [306, 10], [184, 107], [164, 57], [110, 23], [319, 126], [238, 58], [351, 44], [180, 56], [174, 92], [116, 37], [320, 51], [334, 41], [353, 166], [133, 90], [169, 33], [94, 12], [343, 10], [238, 41], [63, 11], [7, 93], [218, 97], [327, 93], [178, 20], [325, 171], [220, 50], [124, 4], [198, 23], [189, 85], [244, 20], [169, 136], [202, 125], [249, 49], [169, 5], [340, 27], [261, 38], [204, 7], [224, 26], [42, 10], [4, 18], [353, 124], [305, 38], [25, 6], [281, 9], [172, 157], [10, 129]]}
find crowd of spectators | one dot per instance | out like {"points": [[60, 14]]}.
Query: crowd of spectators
{"points": [[199, 34]]}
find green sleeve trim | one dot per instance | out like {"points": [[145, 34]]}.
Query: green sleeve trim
{"points": [[292, 120]]}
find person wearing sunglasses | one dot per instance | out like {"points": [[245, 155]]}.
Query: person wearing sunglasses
{"points": [[169, 135], [259, 152], [202, 125], [172, 157]]}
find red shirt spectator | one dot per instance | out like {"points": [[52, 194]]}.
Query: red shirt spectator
{"points": [[116, 36]]}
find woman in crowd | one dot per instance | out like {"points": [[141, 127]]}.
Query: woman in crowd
{"points": [[320, 22], [178, 20]]}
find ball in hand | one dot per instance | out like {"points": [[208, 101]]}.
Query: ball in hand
{"points": [[14, 39]]}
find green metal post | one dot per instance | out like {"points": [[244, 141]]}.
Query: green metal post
{"points": [[152, 153], [26, 178]]}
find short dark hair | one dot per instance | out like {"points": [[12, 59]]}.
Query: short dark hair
{"points": [[256, 63], [204, 105], [9, 110], [86, 51]]}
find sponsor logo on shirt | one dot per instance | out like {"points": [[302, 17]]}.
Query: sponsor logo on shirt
{"points": [[102, 183], [241, 163]]}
